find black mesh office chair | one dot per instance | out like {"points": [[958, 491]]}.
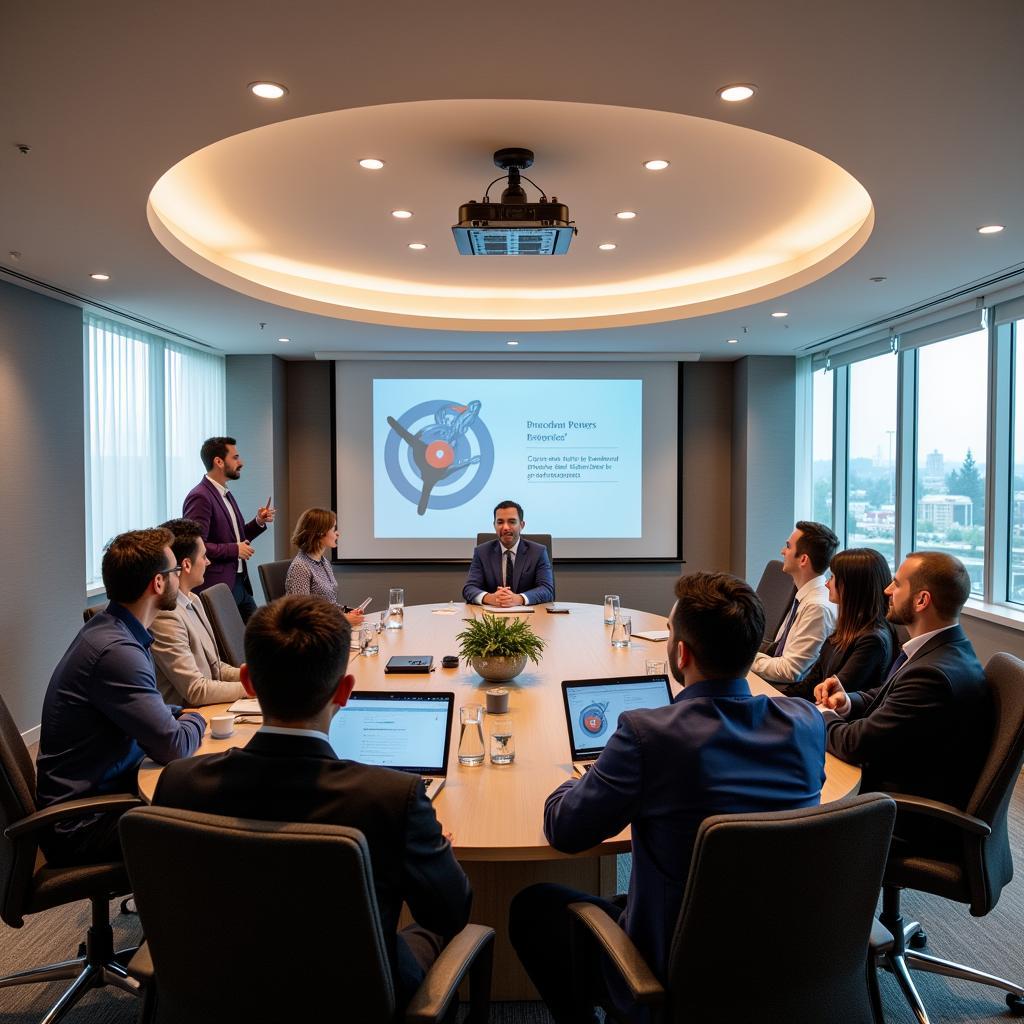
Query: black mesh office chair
{"points": [[301, 936], [272, 577], [537, 538], [975, 865], [227, 623], [803, 953], [28, 884], [776, 591]]}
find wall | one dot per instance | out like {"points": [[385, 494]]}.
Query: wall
{"points": [[42, 469]]}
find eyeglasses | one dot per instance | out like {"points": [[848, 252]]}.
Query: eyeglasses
{"points": [[167, 572]]}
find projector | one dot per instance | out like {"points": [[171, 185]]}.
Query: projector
{"points": [[513, 226]]}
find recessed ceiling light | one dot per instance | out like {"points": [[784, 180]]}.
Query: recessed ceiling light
{"points": [[990, 229], [625, 215], [877, 280], [417, 245], [779, 315], [401, 214], [284, 341], [371, 163], [267, 90], [100, 277], [732, 341], [511, 342], [737, 93], [655, 165], [607, 246]]}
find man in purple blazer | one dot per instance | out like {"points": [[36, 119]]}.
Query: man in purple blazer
{"points": [[225, 531]]}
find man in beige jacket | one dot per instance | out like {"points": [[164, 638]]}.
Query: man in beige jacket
{"points": [[188, 666]]}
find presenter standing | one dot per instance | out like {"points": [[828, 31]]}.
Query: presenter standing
{"points": [[511, 570]]}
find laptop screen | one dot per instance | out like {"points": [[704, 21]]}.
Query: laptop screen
{"points": [[407, 731], [593, 706]]}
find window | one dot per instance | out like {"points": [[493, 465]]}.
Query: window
{"points": [[871, 465], [952, 420], [823, 403], [1015, 582], [149, 406]]}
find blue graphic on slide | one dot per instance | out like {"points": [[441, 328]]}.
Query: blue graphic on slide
{"points": [[594, 720], [444, 440]]}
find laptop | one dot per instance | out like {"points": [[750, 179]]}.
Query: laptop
{"points": [[593, 706], [406, 731]]}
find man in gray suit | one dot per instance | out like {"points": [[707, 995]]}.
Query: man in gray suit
{"points": [[188, 666]]}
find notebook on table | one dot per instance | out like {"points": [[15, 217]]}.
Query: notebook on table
{"points": [[593, 706], [409, 732]]}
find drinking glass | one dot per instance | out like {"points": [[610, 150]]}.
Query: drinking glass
{"points": [[611, 608], [471, 736], [622, 629], [396, 608], [503, 740], [368, 642], [655, 668]]}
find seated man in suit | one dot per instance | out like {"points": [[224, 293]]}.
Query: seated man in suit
{"points": [[296, 654], [188, 666], [926, 727], [510, 570], [715, 749]]}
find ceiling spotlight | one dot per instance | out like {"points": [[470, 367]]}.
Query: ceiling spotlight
{"points": [[655, 165], [284, 341], [625, 215], [371, 163], [779, 315], [732, 341], [100, 277], [991, 229], [607, 246], [417, 245], [401, 214], [877, 280], [267, 90], [511, 342], [736, 93]]}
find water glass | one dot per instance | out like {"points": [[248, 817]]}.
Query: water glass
{"points": [[368, 642], [655, 668], [503, 740], [622, 629], [396, 608], [611, 608], [471, 735]]}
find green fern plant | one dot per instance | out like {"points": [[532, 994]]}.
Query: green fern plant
{"points": [[494, 636]]}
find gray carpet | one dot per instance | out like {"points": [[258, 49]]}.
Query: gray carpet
{"points": [[995, 943]]}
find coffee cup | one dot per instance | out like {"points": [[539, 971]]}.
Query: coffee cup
{"points": [[222, 726], [497, 701]]}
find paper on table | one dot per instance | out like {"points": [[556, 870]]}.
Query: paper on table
{"points": [[519, 609], [245, 706], [652, 634]]}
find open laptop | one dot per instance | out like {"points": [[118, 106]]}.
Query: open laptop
{"points": [[593, 706], [408, 731]]}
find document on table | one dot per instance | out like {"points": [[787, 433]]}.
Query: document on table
{"points": [[652, 634], [245, 706]]}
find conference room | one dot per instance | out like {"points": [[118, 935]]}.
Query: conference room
{"points": [[775, 273]]}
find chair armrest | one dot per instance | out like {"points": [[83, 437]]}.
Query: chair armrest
{"points": [[945, 813], [71, 809], [644, 987], [433, 997]]}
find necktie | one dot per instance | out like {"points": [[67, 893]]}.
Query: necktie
{"points": [[507, 572], [780, 644], [896, 666]]}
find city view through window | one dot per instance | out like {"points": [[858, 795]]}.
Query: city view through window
{"points": [[1015, 582]]}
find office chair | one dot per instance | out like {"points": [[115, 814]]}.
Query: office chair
{"points": [[297, 929], [272, 577], [91, 610], [28, 884], [975, 865], [803, 953], [776, 591], [537, 538], [227, 623]]}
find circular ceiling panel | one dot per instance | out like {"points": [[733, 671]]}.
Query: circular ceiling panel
{"points": [[286, 214]]}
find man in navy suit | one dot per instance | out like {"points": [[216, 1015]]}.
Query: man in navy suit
{"points": [[226, 533], [510, 570], [716, 749]]}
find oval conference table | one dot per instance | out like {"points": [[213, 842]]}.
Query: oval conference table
{"points": [[495, 813]]}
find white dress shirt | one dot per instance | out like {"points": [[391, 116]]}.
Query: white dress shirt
{"points": [[508, 583], [815, 620], [231, 512]]}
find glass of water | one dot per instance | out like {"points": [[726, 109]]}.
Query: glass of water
{"points": [[611, 608], [471, 736], [622, 629], [368, 642], [503, 740], [396, 608]]}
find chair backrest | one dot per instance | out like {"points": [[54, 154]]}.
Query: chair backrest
{"points": [[272, 577], [91, 610], [800, 887], [226, 619], [776, 591], [537, 538], [295, 932], [17, 801]]}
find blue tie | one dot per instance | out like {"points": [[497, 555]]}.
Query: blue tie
{"points": [[780, 644], [896, 666]]}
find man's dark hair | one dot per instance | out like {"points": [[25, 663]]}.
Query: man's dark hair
{"points": [[721, 621], [296, 649], [131, 560], [509, 504], [817, 542], [215, 448], [186, 538], [945, 578]]}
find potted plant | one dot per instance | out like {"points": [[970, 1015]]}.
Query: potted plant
{"points": [[497, 647]]}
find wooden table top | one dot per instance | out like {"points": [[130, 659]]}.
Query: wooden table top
{"points": [[495, 813]]}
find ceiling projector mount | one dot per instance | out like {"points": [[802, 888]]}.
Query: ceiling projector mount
{"points": [[513, 226]]}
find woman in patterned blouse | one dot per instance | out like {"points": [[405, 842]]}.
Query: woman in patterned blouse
{"points": [[315, 534]]}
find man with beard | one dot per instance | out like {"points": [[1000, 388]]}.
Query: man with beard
{"points": [[224, 531], [925, 729], [716, 749], [102, 713]]}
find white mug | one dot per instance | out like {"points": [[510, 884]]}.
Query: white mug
{"points": [[222, 726]]}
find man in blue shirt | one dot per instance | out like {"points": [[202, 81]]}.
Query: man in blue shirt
{"points": [[102, 713], [716, 749]]}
